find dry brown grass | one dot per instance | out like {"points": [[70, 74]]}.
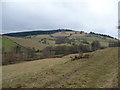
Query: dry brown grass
{"points": [[62, 72], [77, 34]]}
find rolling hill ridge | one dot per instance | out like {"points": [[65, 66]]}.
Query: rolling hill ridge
{"points": [[49, 44]]}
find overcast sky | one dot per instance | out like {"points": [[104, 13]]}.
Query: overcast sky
{"points": [[100, 16]]}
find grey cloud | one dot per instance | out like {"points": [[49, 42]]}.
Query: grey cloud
{"points": [[29, 16]]}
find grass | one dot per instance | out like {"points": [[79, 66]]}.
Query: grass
{"points": [[42, 36], [29, 43], [39, 53], [59, 55], [64, 44], [7, 44], [104, 44], [94, 72]]}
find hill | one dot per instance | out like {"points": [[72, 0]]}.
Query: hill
{"points": [[98, 71], [28, 43], [50, 44], [13, 52], [39, 32], [41, 41]]}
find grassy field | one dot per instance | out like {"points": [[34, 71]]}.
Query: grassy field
{"points": [[98, 71], [29, 43], [7, 44]]}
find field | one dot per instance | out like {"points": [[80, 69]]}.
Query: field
{"points": [[28, 43], [98, 71], [7, 44]]}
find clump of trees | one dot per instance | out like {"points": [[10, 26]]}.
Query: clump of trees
{"points": [[62, 50], [95, 45], [101, 35], [81, 32], [48, 52], [17, 54], [84, 48], [114, 44], [65, 50], [61, 40], [23, 34]]}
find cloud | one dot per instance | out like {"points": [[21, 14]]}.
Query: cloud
{"points": [[88, 15]]}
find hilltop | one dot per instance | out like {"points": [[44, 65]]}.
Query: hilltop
{"points": [[38, 32]]}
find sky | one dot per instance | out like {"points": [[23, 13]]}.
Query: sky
{"points": [[100, 16]]}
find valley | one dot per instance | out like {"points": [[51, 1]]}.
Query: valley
{"points": [[63, 59]]}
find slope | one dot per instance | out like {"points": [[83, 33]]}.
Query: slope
{"points": [[67, 37], [28, 43], [7, 44], [100, 70]]}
